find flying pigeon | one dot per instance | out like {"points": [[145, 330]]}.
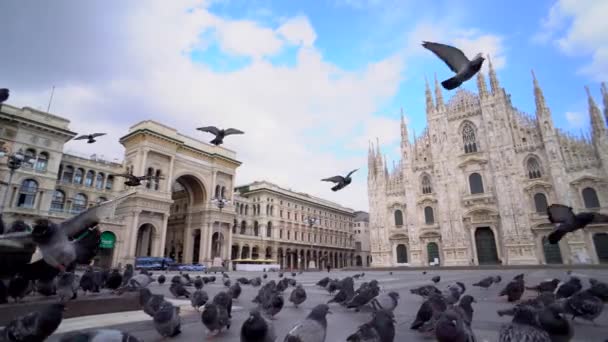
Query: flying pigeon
{"points": [[257, 329], [220, 134], [341, 182], [90, 137], [167, 321], [455, 59], [4, 94], [298, 296], [35, 326], [101, 335], [311, 329], [568, 222], [136, 180]]}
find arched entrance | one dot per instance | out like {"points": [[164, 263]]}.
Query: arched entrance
{"points": [[432, 250], [145, 237], [245, 252], [106, 250], [600, 240], [401, 254], [359, 260], [189, 197], [486, 246], [553, 254]]}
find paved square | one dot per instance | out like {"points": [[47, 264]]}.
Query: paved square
{"points": [[343, 322]]}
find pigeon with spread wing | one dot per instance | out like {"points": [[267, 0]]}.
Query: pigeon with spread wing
{"points": [[456, 60], [90, 137], [341, 182], [4, 94], [220, 134], [567, 222], [133, 180]]}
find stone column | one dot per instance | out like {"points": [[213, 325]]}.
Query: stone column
{"points": [[473, 245], [205, 227], [144, 159], [188, 240], [163, 236], [133, 227], [170, 175], [209, 242]]}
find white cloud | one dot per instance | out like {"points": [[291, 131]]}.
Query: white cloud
{"points": [[579, 28], [298, 31], [576, 119]]}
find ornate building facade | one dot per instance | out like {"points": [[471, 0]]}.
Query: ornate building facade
{"points": [[273, 223], [363, 256], [473, 188]]}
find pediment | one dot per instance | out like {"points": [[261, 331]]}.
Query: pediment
{"points": [[429, 235], [587, 179], [427, 200], [472, 160], [399, 236], [396, 205], [538, 184]]}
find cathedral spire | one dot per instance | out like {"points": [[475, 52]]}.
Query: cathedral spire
{"points": [[494, 85], [430, 106], [481, 85], [438, 96], [605, 100], [405, 141], [598, 128], [539, 98]]}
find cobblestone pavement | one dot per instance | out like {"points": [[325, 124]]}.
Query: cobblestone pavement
{"points": [[342, 322]]}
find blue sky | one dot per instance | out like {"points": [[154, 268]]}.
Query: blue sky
{"points": [[311, 82]]}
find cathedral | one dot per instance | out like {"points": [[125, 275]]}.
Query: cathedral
{"points": [[474, 187]]}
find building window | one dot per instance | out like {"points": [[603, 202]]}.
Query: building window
{"points": [[157, 180], [269, 229], [590, 198], [30, 158], [256, 228], [99, 181], [540, 203], [426, 185], [243, 227], [42, 162], [88, 181], [533, 167], [149, 173], [476, 183], [79, 204], [78, 176], [469, 139], [58, 201], [27, 194], [68, 174], [110, 182], [429, 218], [398, 218]]}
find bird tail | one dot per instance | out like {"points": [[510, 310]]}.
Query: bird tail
{"points": [[451, 83], [556, 235]]}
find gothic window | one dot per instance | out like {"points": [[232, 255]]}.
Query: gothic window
{"points": [[429, 217], [42, 162], [79, 204], [110, 182], [533, 168], [398, 218], [88, 181], [68, 174], [590, 198], [99, 181], [476, 183], [540, 203], [27, 193], [468, 138], [426, 185], [78, 176], [58, 201]]}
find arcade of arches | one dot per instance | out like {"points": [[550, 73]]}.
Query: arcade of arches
{"points": [[295, 257]]}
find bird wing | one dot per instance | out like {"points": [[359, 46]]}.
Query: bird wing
{"points": [[210, 129], [15, 240], [453, 57], [82, 137], [334, 179], [87, 219], [87, 246], [95, 135], [350, 173], [559, 213], [233, 131]]}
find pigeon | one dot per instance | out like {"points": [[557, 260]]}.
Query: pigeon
{"points": [[456, 60], [35, 326], [598, 289], [167, 321], [430, 308], [90, 137], [198, 283], [18, 287], [264, 276], [101, 335], [255, 282], [436, 279], [88, 282], [215, 317], [454, 292], [257, 329], [568, 222], [293, 274], [273, 305], [323, 282], [567, 289], [161, 279], [137, 282], [280, 274], [497, 279], [514, 289], [523, 328], [544, 299], [198, 299], [341, 182], [225, 300], [67, 286], [451, 326], [385, 301], [114, 280], [583, 304], [485, 282], [311, 329], [380, 329], [149, 302], [558, 327], [426, 291], [235, 291], [220, 134], [465, 308], [362, 297], [178, 290], [298, 296], [132, 180], [545, 286], [4, 94], [227, 283]]}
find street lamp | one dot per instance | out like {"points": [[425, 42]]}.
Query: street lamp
{"points": [[311, 222], [220, 202], [14, 162]]}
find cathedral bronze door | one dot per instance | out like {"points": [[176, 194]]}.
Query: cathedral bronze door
{"points": [[600, 241], [553, 254], [433, 251], [401, 254], [486, 246]]}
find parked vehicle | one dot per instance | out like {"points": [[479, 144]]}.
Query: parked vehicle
{"points": [[153, 263], [192, 268]]}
